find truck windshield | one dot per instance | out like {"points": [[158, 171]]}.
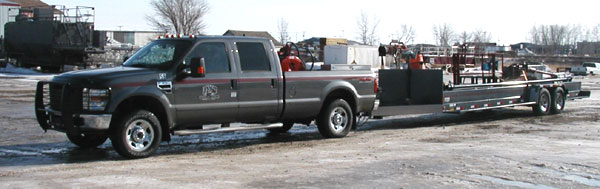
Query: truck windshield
{"points": [[158, 54]]}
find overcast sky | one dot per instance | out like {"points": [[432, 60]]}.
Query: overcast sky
{"points": [[509, 21]]}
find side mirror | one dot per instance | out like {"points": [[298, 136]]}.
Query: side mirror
{"points": [[197, 67], [183, 71], [125, 58]]}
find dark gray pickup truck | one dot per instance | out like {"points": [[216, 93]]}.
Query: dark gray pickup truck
{"points": [[181, 86]]}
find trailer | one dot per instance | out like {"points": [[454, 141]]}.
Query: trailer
{"points": [[404, 92], [51, 37]]}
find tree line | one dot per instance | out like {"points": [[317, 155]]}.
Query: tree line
{"points": [[188, 17]]}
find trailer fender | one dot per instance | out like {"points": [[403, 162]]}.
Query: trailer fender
{"points": [[534, 93]]}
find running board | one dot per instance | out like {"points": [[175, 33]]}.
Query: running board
{"points": [[228, 129]]}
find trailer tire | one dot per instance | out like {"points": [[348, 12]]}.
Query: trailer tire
{"points": [[558, 101], [85, 140], [136, 135], [336, 119], [544, 103], [286, 127]]}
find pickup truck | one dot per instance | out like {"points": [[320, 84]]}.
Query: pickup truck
{"points": [[182, 85], [586, 68]]}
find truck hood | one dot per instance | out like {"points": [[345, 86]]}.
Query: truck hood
{"points": [[103, 76]]}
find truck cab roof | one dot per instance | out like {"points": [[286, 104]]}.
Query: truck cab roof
{"points": [[196, 38]]}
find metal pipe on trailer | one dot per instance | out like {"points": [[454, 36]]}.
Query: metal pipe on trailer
{"points": [[509, 83]]}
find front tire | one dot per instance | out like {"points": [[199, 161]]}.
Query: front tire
{"points": [[336, 120], [136, 135], [85, 140], [543, 105], [558, 101]]}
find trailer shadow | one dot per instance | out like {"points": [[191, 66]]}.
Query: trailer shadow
{"points": [[444, 120], [67, 153]]}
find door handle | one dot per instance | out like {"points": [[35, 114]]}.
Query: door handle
{"points": [[166, 86], [273, 82], [234, 84]]}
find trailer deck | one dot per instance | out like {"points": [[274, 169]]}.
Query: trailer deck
{"points": [[423, 91]]}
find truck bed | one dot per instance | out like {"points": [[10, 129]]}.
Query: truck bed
{"points": [[300, 88]]}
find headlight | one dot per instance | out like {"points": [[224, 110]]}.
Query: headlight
{"points": [[95, 99]]}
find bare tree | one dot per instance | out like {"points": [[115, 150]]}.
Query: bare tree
{"points": [[367, 31], [283, 31], [480, 36], [464, 37], [406, 34], [591, 34], [595, 34], [443, 34], [179, 16], [554, 39], [574, 34]]}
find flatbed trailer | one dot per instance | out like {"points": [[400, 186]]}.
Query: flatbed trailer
{"points": [[423, 91]]}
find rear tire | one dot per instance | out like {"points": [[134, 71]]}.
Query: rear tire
{"points": [[84, 140], [558, 101], [544, 103], [336, 120], [136, 135], [286, 127]]}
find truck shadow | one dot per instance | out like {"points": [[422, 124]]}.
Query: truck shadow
{"points": [[65, 152]]}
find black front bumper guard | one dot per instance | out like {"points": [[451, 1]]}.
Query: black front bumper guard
{"points": [[43, 112]]}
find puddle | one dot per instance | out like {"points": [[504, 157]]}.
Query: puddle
{"points": [[583, 180], [6, 152], [511, 182], [54, 151], [589, 181]]}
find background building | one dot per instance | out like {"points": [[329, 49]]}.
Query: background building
{"points": [[131, 38]]}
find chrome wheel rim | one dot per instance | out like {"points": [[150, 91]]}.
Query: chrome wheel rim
{"points": [[544, 103], [140, 135], [338, 119], [560, 101]]}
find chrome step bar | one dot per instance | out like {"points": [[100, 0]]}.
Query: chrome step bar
{"points": [[228, 129]]}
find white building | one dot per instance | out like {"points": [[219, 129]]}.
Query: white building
{"points": [[8, 10], [135, 38]]}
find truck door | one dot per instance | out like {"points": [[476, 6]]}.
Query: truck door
{"points": [[209, 99], [258, 84]]}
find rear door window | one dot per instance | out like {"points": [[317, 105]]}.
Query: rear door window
{"points": [[253, 57]]}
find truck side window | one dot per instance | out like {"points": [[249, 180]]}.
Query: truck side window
{"points": [[215, 57], [253, 57]]}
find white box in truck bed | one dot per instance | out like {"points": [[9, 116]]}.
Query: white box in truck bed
{"points": [[352, 54]]}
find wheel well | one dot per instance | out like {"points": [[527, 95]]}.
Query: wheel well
{"points": [[340, 94], [146, 103]]}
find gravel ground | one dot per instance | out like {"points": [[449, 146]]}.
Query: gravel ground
{"points": [[508, 148]]}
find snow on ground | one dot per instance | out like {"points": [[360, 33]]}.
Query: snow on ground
{"points": [[24, 74]]}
